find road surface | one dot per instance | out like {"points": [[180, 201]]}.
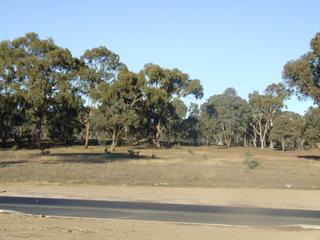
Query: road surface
{"points": [[161, 212]]}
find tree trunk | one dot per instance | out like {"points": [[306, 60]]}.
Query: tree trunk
{"points": [[226, 139], [262, 143], [195, 140], [254, 140], [271, 145], [86, 142], [245, 143], [39, 132], [158, 135], [3, 141], [114, 141], [229, 142], [169, 136], [206, 142], [302, 142], [283, 144]]}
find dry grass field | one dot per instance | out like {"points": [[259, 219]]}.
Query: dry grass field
{"points": [[183, 167]]}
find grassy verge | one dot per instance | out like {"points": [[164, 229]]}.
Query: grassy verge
{"points": [[185, 167]]}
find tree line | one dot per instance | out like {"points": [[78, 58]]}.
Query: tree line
{"points": [[47, 94]]}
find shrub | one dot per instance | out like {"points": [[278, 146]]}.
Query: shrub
{"points": [[177, 146], [15, 147], [191, 152], [248, 162]]}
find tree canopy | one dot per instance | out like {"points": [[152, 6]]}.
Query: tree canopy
{"points": [[303, 74], [48, 95]]}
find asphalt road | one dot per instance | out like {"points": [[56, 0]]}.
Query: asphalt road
{"points": [[161, 212]]}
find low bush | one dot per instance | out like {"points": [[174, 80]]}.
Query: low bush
{"points": [[248, 162]]}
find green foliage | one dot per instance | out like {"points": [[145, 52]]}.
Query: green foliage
{"points": [[38, 73], [191, 126], [191, 152], [303, 75], [312, 131], [265, 107], [46, 93], [230, 114], [99, 68], [248, 162], [63, 123], [177, 146], [287, 130], [119, 103], [163, 88]]}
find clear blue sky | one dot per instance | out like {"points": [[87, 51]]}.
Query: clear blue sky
{"points": [[224, 43]]}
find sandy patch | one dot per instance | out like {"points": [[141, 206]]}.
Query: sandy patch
{"points": [[14, 227]]}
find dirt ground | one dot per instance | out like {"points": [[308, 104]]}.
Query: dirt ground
{"points": [[16, 226], [183, 167]]}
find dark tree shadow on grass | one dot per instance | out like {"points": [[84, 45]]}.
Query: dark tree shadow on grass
{"points": [[9, 163], [310, 157], [95, 157]]}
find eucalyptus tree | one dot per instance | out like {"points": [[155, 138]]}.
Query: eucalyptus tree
{"points": [[303, 74], [299, 126], [45, 71], [63, 121], [207, 123], [99, 67], [312, 132], [119, 100], [177, 113], [264, 108], [231, 115], [284, 130], [192, 124], [12, 103], [163, 86]]}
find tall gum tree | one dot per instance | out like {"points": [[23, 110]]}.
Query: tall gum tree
{"points": [[264, 108], [163, 86], [99, 67], [303, 74], [312, 131], [284, 130], [47, 71], [12, 102], [119, 101], [231, 114]]}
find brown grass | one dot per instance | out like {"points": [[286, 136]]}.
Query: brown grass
{"points": [[185, 167]]}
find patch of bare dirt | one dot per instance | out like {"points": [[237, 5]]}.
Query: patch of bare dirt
{"points": [[16, 227]]}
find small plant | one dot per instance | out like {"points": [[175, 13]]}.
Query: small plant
{"points": [[133, 153], [15, 147], [3, 164], [177, 146], [102, 141], [205, 156], [191, 152], [248, 162], [45, 152], [153, 156]]}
